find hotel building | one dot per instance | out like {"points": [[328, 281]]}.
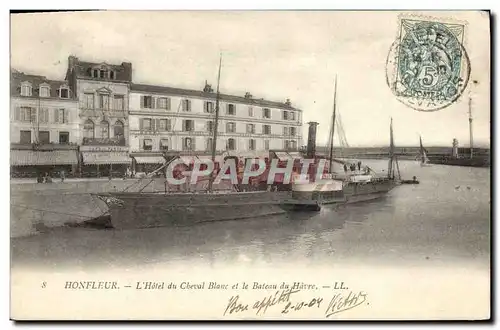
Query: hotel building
{"points": [[165, 119], [44, 126], [102, 90]]}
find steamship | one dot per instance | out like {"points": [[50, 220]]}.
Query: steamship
{"points": [[352, 186]]}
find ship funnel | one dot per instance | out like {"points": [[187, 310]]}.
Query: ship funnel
{"points": [[311, 139]]}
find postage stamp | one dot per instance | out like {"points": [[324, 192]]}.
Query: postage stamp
{"points": [[428, 67]]}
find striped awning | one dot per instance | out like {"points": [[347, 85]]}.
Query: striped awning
{"points": [[98, 158], [149, 160], [38, 157]]}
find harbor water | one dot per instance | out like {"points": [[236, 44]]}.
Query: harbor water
{"points": [[445, 219]]}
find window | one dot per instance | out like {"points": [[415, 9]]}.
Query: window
{"points": [[164, 125], [251, 128], [291, 115], [164, 144], [146, 124], [104, 129], [44, 115], [231, 109], [266, 113], [285, 115], [111, 75], [210, 142], [64, 93], [285, 131], [251, 144], [60, 116], [118, 102], [186, 105], [95, 73], [27, 114], [147, 144], [293, 144], [44, 91], [164, 103], [293, 131], [102, 74], [25, 137], [88, 101], [147, 102], [286, 144], [210, 126], [88, 129], [26, 89], [266, 144], [188, 144], [188, 125], [209, 106], [230, 127], [118, 129], [231, 144], [250, 111], [44, 137], [63, 137], [104, 101], [266, 129]]}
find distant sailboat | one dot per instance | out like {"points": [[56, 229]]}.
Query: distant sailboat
{"points": [[424, 160]]}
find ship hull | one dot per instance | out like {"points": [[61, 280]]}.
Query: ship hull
{"points": [[133, 211], [362, 192]]}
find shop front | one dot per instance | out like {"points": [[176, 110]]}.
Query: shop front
{"points": [[144, 163], [31, 163], [105, 161]]}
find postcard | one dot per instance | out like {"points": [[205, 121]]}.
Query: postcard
{"points": [[250, 165]]}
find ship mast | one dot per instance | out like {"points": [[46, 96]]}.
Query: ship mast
{"points": [[390, 173], [470, 129], [214, 138], [332, 133]]}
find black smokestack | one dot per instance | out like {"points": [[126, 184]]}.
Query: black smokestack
{"points": [[311, 139]]}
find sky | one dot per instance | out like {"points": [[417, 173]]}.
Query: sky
{"points": [[273, 55]]}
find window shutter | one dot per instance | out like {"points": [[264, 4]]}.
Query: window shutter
{"points": [[183, 143], [205, 106], [168, 103], [153, 126], [141, 144], [157, 124], [33, 115], [168, 125], [193, 143], [66, 115], [141, 124], [17, 113], [142, 102], [56, 115], [153, 99]]}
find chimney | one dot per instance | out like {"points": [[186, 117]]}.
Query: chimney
{"points": [[311, 140], [128, 70], [248, 95], [287, 102], [72, 60]]}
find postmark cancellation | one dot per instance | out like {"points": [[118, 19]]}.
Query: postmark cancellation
{"points": [[428, 67]]}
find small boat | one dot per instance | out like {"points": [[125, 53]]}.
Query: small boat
{"points": [[413, 181]]}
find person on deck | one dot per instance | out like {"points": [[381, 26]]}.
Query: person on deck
{"points": [[63, 175], [345, 168], [359, 166]]}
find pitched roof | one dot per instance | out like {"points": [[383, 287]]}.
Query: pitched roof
{"points": [[17, 78], [210, 95], [123, 72]]}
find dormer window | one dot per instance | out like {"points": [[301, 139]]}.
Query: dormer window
{"points": [[64, 92], [102, 74], [44, 91], [95, 73], [26, 89], [111, 75]]}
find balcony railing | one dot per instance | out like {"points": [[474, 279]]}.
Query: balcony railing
{"points": [[103, 141]]}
